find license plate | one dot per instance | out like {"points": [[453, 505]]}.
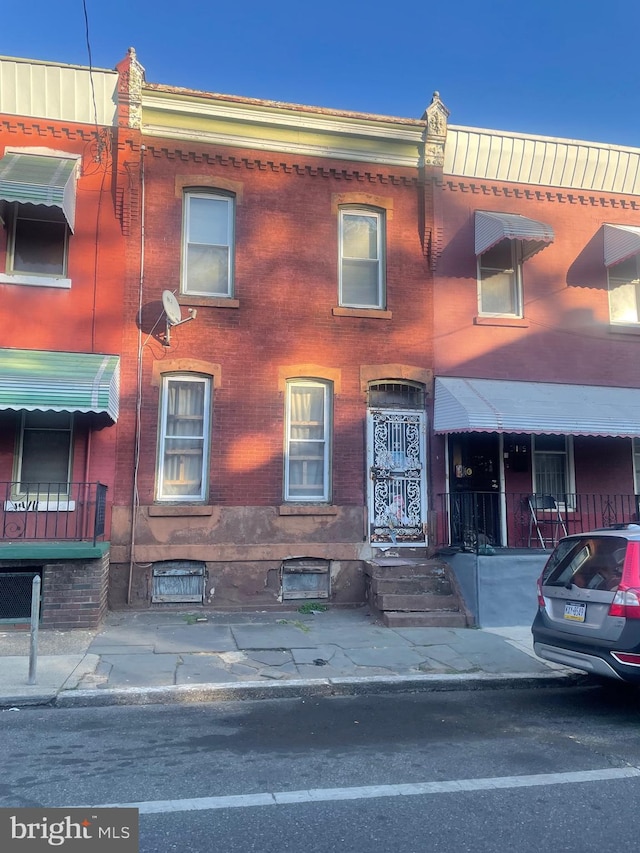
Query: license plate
{"points": [[575, 611]]}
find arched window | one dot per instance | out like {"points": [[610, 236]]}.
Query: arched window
{"points": [[394, 394]]}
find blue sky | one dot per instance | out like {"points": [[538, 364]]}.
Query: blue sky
{"points": [[552, 67]]}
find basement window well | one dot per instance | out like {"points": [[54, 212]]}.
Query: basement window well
{"points": [[305, 578], [178, 581]]}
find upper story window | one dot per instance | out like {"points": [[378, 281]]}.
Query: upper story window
{"points": [[503, 241], [185, 426], [208, 244], [362, 242], [37, 207], [624, 291], [307, 441], [500, 280]]}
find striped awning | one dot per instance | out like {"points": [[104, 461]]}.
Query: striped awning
{"points": [[502, 405], [620, 242], [41, 380], [38, 179], [491, 228]]}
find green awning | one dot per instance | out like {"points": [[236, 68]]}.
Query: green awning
{"points": [[37, 179], [40, 380]]}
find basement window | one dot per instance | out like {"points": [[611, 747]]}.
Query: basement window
{"points": [[305, 578], [178, 581]]}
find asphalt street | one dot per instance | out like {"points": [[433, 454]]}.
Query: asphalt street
{"points": [[486, 770]]}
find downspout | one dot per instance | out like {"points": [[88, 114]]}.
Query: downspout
{"points": [[135, 502]]}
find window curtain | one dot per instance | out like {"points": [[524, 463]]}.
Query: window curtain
{"points": [[306, 441], [184, 439]]}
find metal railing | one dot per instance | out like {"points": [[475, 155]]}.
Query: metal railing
{"points": [[475, 521], [52, 511]]}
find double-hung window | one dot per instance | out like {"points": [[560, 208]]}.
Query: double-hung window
{"points": [[43, 461], [362, 241], [624, 291], [500, 280], [553, 472], [185, 424], [307, 451], [37, 207], [208, 244]]}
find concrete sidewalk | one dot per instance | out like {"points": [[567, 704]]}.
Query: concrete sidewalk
{"points": [[158, 656]]}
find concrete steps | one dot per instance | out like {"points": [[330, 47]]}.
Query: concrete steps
{"points": [[415, 592]]}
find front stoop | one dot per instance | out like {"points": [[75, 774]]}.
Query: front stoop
{"points": [[414, 592]]}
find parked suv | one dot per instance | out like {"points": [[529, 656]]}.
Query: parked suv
{"points": [[589, 603]]}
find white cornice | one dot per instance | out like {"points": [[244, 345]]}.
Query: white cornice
{"points": [[264, 143]]}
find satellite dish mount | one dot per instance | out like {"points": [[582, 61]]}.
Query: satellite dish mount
{"points": [[174, 314]]}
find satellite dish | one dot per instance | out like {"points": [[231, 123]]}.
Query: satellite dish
{"points": [[171, 308]]}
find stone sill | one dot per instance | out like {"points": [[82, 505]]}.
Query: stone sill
{"points": [[208, 301], [616, 329], [179, 511], [515, 322], [367, 313], [298, 509]]}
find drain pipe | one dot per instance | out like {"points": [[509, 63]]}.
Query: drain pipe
{"points": [[136, 452]]}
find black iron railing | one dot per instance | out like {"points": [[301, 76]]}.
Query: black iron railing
{"points": [[484, 520], [52, 511]]}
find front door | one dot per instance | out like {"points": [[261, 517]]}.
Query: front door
{"points": [[474, 477], [397, 483]]}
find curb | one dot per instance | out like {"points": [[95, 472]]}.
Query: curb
{"points": [[303, 688]]}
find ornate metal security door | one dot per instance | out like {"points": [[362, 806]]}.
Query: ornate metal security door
{"points": [[397, 485]]}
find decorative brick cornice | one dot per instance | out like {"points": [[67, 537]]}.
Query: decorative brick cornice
{"points": [[552, 196], [270, 165], [11, 125]]}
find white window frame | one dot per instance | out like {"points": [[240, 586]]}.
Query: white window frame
{"points": [[613, 283], [291, 494], [41, 498], [379, 216], [229, 200], [515, 271], [14, 213], [204, 437], [635, 451], [569, 471]]}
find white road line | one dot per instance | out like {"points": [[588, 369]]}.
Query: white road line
{"points": [[456, 786]]}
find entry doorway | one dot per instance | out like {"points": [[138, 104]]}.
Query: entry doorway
{"points": [[397, 477], [474, 478]]}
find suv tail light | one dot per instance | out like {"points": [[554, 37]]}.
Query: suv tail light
{"points": [[626, 601], [541, 602]]}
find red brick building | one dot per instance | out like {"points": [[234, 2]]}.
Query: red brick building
{"points": [[274, 390], [61, 292], [537, 329]]}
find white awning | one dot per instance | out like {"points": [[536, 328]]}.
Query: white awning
{"points": [[491, 228], [39, 179], [504, 405], [620, 242]]}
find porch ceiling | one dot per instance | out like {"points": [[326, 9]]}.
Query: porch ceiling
{"points": [[500, 405]]}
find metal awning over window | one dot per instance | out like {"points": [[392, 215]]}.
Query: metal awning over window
{"points": [[491, 228], [620, 242], [38, 179], [37, 380], [500, 405]]}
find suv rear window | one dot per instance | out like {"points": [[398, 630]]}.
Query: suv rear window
{"points": [[591, 562]]}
